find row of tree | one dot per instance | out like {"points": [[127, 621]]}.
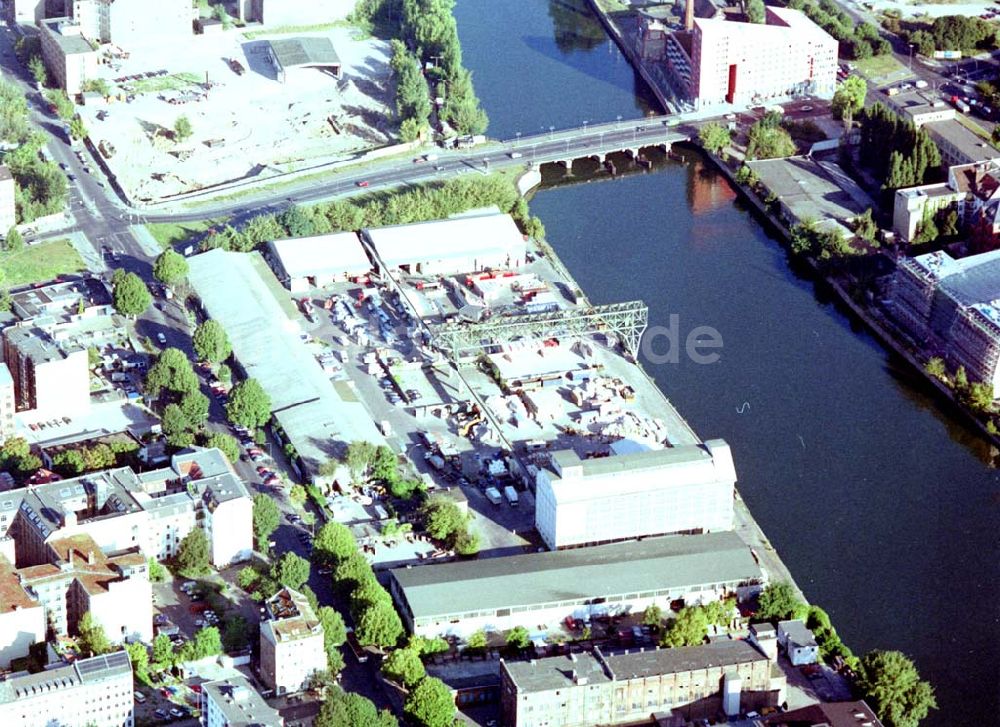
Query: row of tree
{"points": [[379, 464], [90, 458], [948, 32], [431, 201], [895, 150], [857, 40]]}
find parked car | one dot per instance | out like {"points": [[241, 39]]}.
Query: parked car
{"points": [[161, 338]]}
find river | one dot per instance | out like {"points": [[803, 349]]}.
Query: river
{"points": [[885, 508]]}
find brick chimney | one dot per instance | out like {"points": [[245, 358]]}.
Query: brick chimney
{"points": [[689, 15]]}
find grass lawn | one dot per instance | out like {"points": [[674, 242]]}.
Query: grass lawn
{"points": [[972, 126], [286, 29], [882, 69], [169, 234], [37, 263], [175, 82], [613, 6]]}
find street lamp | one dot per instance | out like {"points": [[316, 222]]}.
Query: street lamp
{"points": [[911, 56], [517, 136], [585, 122], [552, 131], [618, 121]]}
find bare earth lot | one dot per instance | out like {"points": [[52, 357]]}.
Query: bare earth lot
{"points": [[243, 125]]}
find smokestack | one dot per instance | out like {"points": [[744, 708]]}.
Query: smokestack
{"points": [[689, 15]]}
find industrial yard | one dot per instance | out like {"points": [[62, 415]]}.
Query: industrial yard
{"points": [[246, 122]]}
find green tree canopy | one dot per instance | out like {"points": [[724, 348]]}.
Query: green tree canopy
{"points": [[183, 129], [207, 642], [653, 616], [443, 518], [348, 709], [163, 652], [358, 459], [248, 405], [193, 557], [430, 704], [225, 443], [332, 544], [379, 625], [778, 602], [130, 296], [714, 137], [291, 570], [170, 267], [756, 11], [139, 656], [352, 571], [689, 628], [518, 638], [91, 638], [849, 98], [404, 667], [171, 372], [266, 518], [236, 635], [211, 342], [893, 687]]}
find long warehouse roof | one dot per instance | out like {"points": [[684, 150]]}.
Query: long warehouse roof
{"points": [[461, 236], [340, 252], [570, 575]]}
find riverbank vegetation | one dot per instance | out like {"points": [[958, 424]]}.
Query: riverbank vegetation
{"points": [[428, 30]]}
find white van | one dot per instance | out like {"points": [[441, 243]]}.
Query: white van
{"points": [[139, 696], [511, 494], [493, 495]]}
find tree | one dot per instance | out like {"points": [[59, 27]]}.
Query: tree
{"points": [[266, 518], [194, 404], [297, 495], [352, 571], [404, 667], [236, 635], [163, 652], [891, 684], [193, 557], [211, 342], [36, 66], [176, 426], [291, 570], [936, 368], [77, 128], [443, 518], [334, 630], [359, 456], [130, 296], [170, 267], [756, 11], [980, 396], [139, 657], [714, 137], [430, 704], [689, 628], [157, 572], [248, 405], [477, 641], [207, 642], [171, 372], [961, 379], [384, 465], [518, 638], [16, 456], [349, 709], [225, 443], [778, 602], [91, 638], [14, 241], [297, 222], [767, 140], [849, 99], [652, 616], [379, 625], [333, 543], [183, 129]]}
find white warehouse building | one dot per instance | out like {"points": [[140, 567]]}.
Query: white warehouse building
{"points": [[684, 489], [464, 244], [539, 590], [303, 263]]}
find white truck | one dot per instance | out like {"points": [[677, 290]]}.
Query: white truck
{"points": [[493, 495], [511, 494]]}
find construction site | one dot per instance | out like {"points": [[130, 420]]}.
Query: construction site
{"points": [[257, 107]]}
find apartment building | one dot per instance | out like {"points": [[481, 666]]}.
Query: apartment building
{"points": [[753, 63], [687, 488], [233, 702], [291, 642], [51, 378], [79, 577], [8, 210], [538, 589], [952, 308], [7, 403], [133, 24], [94, 692], [68, 55], [122, 510], [972, 190], [22, 618], [686, 683]]}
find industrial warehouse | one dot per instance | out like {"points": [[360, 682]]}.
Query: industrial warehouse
{"points": [[497, 594]]}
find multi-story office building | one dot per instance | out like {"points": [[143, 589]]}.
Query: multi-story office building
{"points": [[121, 510], [683, 489], [589, 688], [752, 63], [535, 589], [233, 702], [291, 642], [8, 209], [952, 307], [68, 55], [51, 378], [89, 692]]}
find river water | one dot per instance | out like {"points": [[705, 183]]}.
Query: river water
{"points": [[886, 509]]}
